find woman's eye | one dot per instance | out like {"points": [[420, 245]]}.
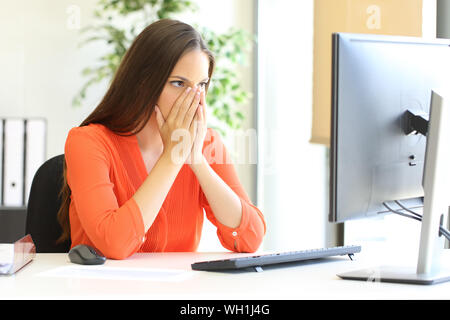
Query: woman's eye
{"points": [[176, 83], [179, 84]]}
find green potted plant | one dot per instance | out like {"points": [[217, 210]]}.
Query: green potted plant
{"points": [[225, 95]]}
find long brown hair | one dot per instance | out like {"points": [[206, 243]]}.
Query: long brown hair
{"points": [[136, 86]]}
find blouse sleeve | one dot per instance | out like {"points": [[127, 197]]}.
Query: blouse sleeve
{"points": [[117, 231], [248, 236]]}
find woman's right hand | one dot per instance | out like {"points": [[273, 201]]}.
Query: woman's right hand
{"points": [[180, 125]]}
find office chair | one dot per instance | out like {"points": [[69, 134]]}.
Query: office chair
{"points": [[43, 206]]}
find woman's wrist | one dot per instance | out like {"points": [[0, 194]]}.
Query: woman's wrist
{"points": [[168, 158], [198, 163]]}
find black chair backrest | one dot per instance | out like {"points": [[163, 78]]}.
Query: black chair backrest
{"points": [[43, 206]]}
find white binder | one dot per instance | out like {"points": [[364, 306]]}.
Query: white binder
{"points": [[35, 151], [14, 162]]}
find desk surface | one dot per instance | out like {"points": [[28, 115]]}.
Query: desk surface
{"points": [[306, 280]]}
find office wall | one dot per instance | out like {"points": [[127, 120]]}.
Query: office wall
{"points": [[399, 17], [41, 64], [292, 173]]}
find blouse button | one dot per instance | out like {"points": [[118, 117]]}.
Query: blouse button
{"points": [[234, 233]]}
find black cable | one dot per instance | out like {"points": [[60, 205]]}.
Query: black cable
{"points": [[415, 216], [401, 213], [442, 230], [409, 210], [445, 233]]}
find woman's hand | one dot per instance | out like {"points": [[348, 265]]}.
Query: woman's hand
{"points": [[196, 152], [181, 124]]}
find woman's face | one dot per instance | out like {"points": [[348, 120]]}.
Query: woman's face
{"points": [[191, 70]]}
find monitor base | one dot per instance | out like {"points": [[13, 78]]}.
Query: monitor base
{"points": [[396, 275]]}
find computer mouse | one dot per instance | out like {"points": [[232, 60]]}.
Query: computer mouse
{"points": [[84, 254]]}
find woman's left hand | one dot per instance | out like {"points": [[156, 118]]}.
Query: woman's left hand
{"points": [[200, 118]]}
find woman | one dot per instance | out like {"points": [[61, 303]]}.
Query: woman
{"points": [[142, 167]]}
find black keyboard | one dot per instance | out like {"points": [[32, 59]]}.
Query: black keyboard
{"points": [[258, 261]]}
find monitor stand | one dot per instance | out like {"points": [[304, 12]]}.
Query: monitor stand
{"points": [[436, 208], [396, 275]]}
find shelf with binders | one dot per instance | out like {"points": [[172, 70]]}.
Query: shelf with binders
{"points": [[22, 151]]}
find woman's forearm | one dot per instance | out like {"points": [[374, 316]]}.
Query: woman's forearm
{"points": [[223, 201], [151, 194]]}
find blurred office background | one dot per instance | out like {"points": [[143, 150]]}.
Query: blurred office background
{"points": [[286, 74]]}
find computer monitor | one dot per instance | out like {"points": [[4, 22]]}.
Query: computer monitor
{"points": [[380, 86], [376, 79]]}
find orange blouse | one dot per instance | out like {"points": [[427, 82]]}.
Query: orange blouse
{"points": [[104, 170]]}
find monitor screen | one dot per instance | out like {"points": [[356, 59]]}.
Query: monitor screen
{"points": [[375, 80]]}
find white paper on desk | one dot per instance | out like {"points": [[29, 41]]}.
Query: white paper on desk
{"points": [[6, 257], [116, 273]]}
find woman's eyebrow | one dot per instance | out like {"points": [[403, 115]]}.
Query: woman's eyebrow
{"points": [[183, 78]]}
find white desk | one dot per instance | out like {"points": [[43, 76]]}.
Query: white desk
{"points": [[310, 280]]}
